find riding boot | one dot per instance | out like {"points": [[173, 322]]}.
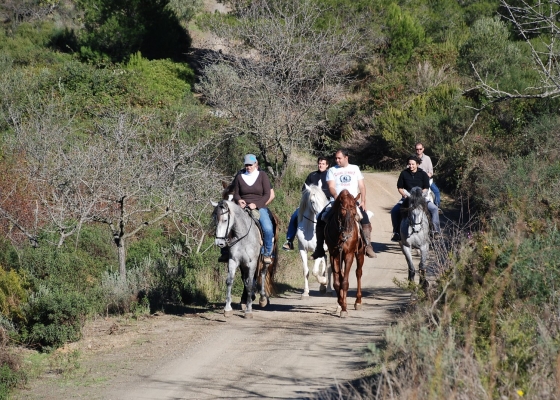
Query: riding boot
{"points": [[366, 228], [320, 233]]}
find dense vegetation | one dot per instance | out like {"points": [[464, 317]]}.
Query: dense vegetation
{"points": [[108, 159]]}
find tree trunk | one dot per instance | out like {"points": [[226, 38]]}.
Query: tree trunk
{"points": [[121, 250]]}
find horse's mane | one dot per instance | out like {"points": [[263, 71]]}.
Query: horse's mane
{"points": [[417, 200], [304, 203], [347, 201]]}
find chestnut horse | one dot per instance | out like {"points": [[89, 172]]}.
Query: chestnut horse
{"points": [[343, 238]]}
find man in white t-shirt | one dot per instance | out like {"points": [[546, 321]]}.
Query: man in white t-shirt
{"points": [[345, 176]]}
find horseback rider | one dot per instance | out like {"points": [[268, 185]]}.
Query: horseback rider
{"points": [[344, 176], [252, 190], [318, 178], [224, 251], [410, 177], [428, 168]]}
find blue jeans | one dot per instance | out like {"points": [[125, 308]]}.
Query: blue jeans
{"points": [[396, 216], [437, 196], [292, 226], [268, 231]]}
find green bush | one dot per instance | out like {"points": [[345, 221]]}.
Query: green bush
{"points": [[405, 33], [13, 294], [10, 379], [56, 317], [122, 28]]}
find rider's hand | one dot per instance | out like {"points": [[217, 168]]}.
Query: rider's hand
{"points": [[252, 206], [242, 203]]}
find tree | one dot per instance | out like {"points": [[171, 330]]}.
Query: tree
{"points": [[121, 175], [537, 24], [277, 75]]}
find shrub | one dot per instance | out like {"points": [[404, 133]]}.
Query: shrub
{"points": [[56, 317], [13, 294], [119, 29], [120, 294], [405, 33]]}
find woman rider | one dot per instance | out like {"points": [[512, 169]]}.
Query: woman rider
{"points": [[410, 177], [252, 189]]}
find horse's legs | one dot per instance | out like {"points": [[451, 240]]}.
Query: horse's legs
{"points": [[422, 266], [248, 275], [407, 251], [303, 255], [320, 276], [343, 293], [335, 267], [263, 299], [232, 266], [359, 264]]}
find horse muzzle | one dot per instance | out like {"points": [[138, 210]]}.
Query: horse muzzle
{"points": [[221, 243]]}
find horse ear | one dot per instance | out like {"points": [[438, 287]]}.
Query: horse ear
{"points": [[306, 186], [225, 184], [358, 196], [214, 204]]}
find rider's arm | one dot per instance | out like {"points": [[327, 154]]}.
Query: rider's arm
{"points": [[272, 195], [362, 188], [332, 188], [404, 192]]}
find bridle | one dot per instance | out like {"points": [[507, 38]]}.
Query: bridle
{"points": [[229, 242], [412, 223]]}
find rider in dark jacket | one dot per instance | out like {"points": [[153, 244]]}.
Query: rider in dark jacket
{"points": [[410, 177]]}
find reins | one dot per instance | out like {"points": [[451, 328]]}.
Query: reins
{"points": [[229, 242]]}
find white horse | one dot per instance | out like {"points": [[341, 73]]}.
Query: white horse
{"points": [[415, 232], [238, 231], [313, 200]]}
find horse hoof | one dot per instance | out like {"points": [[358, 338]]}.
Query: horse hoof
{"points": [[338, 309], [243, 306], [228, 313], [322, 280], [323, 289], [343, 314], [304, 296], [357, 306], [263, 302], [249, 315]]}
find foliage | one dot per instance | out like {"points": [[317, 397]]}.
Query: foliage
{"points": [[121, 293], [55, 317], [13, 294], [121, 28], [490, 52], [405, 33]]}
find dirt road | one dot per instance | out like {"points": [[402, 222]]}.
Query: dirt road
{"points": [[289, 350]]}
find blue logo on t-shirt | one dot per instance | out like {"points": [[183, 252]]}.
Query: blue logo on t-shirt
{"points": [[345, 178]]}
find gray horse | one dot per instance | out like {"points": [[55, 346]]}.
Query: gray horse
{"points": [[415, 232], [238, 231]]}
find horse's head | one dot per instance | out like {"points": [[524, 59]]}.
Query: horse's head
{"points": [[345, 207], [222, 217], [417, 209], [314, 198]]}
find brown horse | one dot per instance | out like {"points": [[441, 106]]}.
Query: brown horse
{"points": [[342, 236]]}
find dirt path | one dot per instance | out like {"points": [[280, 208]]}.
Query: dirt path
{"points": [[289, 350]]}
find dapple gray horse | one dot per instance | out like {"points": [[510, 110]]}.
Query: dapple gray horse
{"points": [[237, 230], [415, 232], [313, 200]]}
